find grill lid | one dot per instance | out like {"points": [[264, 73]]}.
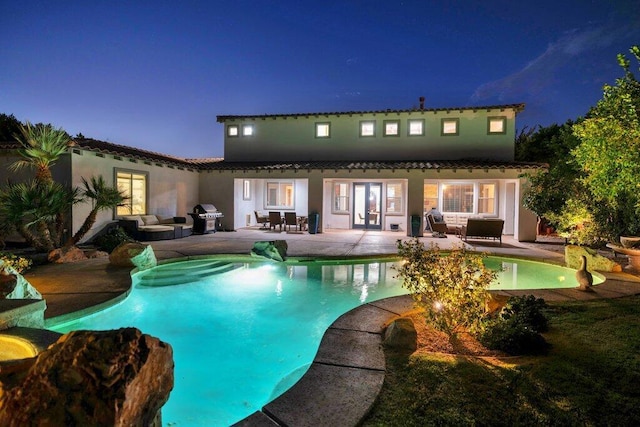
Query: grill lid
{"points": [[204, 208]]}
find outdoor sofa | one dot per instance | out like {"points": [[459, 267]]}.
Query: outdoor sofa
{"points": [[155, 227], [485, 228]]}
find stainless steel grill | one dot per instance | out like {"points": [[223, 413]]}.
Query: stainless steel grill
{"points": [[206, 218]]}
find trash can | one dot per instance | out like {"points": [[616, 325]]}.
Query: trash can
{"points": [[314, 220], [415, 225]]}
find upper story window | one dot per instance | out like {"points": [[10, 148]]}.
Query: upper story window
{"points": [[134, 186], [248, 130], [496, 125], [416, 127], [233, 130], [340, 197], [450, 126], [395, 204], [391, 128], [323, 130], [368, 128], [280, 195]]}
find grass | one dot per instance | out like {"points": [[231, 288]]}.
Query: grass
{"points": [[591, 376]]}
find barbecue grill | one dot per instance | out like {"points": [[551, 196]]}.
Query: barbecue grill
{"points": [[206, 218]]}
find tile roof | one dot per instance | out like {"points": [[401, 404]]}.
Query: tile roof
{"points": [[217, 163], [517, 107], [375, 165]]}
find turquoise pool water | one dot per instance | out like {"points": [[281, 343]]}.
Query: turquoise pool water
{"points": [[242, 333]]}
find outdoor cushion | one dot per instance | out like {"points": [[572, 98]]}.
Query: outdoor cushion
{"points": [[155, 228], [136, 218], [150, 219]]}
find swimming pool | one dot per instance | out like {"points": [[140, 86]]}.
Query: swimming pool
{"points": [[243, 332]]}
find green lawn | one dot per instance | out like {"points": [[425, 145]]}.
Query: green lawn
{"points": [[591, 376]]}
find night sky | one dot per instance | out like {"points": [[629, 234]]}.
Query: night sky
{"points": [[154, 74]]}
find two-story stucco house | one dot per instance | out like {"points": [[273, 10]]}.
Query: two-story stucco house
{"points": [[373, 169], [365, 169]]}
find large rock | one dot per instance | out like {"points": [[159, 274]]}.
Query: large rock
{"points": [[64, 255], [596, 262], [14, 286], [401, 335], [275, 250], [115, 378], [133, 254]]}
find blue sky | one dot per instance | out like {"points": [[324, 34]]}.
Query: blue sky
{"points": [[155, 74]]}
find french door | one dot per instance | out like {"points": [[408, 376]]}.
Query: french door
{"points": [[367, 202]]}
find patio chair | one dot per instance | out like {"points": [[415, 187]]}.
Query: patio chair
{"points": [[261, 219], [275, 219], [437, 226], [290, 219]]}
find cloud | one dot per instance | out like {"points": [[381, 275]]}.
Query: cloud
{"points": [[540, 73]]}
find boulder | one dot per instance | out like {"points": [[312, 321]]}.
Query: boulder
{"points": [[275, 250], [14, 286], [401, 335], [117, 378], [596, 262], [64, 255], [133, 254]]}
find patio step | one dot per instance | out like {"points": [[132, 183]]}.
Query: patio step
{"points": [[171, 275]]}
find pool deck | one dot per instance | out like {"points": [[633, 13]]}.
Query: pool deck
{"points": [[348, 370]]}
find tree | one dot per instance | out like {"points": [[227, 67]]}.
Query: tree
{"points": [[9, 126], [42, 146], [37, 211], [102, 197], [452, 287], [609, 154]]}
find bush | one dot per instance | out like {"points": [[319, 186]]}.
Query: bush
{"points": [[112, 239], [452, 287], [527, 310], [20, 264], [516, 330]]}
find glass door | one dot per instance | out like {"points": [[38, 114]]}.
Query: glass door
{"points": [[366, 205]]}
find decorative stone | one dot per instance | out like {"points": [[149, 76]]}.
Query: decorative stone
{"points": [[64, 255], [117, 378], [14, 286], [401, 335], [97, 254], [133, 254], [275, 250], [596, 262]]}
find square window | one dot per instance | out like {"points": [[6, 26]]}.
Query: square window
{"points": [[496, 125], [323, 130], [232, 130], [416, 127], [368, 128], [247, 130], [450, 126], [392, 128]]}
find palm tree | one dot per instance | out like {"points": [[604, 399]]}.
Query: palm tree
{"points": [[35, 210], [102, 197], [42, 146]]}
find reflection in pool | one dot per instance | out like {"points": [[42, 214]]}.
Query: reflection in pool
{"points": [[242, 333]]}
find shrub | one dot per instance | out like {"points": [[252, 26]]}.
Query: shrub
{"points": [[527, 310], [517, 329], [20, 264], [513, 338], [452, 288], [111, 239]]}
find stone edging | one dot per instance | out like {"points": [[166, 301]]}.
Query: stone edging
{"points": [[346, 375]]}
